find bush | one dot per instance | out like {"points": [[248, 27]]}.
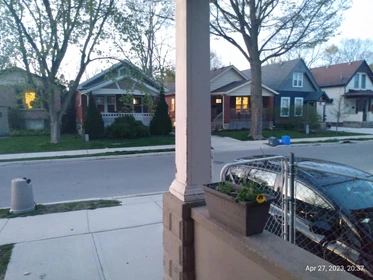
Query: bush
{"points": [[127, 127], [161, 123], [68, 122], [15, 120], [93, 124], [29, 132]]}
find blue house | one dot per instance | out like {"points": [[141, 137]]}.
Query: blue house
{"points": [[296, 87]]}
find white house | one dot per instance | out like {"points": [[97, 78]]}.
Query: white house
{"points": [[350, 85]]}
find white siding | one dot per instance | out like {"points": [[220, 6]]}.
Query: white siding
{"points": [[369, 84], [225, 79], [334, 93]]}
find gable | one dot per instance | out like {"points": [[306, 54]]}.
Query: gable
{"points": [[309, 84], [229, 76]]}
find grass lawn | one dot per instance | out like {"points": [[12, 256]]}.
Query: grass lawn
{"points": [[33, 144], [41, 209], [243, 134], [5, 253]]}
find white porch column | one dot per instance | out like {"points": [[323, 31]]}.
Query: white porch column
{"points": [[193, 100]]}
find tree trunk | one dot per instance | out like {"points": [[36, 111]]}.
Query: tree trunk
{"points": [[55, 129], [256, 103]]}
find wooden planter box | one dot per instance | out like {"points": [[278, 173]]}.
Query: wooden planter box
{"points": [[247, 218]]}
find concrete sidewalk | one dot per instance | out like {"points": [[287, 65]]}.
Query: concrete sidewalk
{"points": [[115, 243], [220, 144]]}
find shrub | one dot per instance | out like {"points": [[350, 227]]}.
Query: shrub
{"points": [[127, 127], [29, 132], [68, 122], [15, 120], [161, 123], [93, 124]]}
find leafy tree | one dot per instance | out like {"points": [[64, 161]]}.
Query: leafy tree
{"points": [[161, 123], [148, 102], [40, 35], [268, 29], [127, 101], [94, 124]]}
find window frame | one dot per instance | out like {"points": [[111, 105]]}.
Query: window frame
{"points": [[356, 81], [288, 107], [363, 81], [295, 106], [298, 79]]}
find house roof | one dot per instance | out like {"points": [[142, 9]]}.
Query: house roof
{"points": [[273, 75], [114, 67], [316, 96], [337, 74], [230, 86], [215, 73]]}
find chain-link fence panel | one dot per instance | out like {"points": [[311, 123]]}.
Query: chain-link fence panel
{"points": [[334, 214]]}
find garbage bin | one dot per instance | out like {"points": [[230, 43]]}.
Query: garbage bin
{"points": [[272, 141], [285, 140], [22, 197]]}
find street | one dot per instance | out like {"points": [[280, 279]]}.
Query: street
{"points": [[88, 178]]}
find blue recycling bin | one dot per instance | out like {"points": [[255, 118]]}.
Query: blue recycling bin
{"points": [[285, 140]]}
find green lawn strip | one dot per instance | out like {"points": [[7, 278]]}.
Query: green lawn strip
{"points": [[118, 153], [33, 144], [5, 253], [42, 209], [243, 134]]}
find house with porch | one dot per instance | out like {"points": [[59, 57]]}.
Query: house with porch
{"points": [[109, 86], [350, 85], [230, 99], [17, 93], [296, 87]]}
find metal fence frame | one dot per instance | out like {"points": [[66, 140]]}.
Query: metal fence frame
{"points": [[286, 199]]}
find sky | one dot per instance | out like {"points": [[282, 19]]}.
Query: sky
{"points": [[357, 23]]}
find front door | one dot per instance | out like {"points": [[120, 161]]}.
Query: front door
{"points": [[361, 106]]}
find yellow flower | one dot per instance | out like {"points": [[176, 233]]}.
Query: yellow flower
{"points": [[260, 198]]}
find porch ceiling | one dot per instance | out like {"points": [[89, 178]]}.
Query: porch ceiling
{"points": [[359, 93]]}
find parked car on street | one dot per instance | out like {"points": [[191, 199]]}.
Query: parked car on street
{"points": [[333, 212]]}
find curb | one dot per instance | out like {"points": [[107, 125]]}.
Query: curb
{"points": [[28, 162]]}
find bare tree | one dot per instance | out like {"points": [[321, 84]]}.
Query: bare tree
{"points": [[142, 34], [310, 56], [271, 28], [339, 111], [43, 32], [349, 50], [215, 60]]}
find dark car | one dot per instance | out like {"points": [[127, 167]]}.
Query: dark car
{"points": [[333, 212]]}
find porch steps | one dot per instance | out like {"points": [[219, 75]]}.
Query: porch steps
{"points": [[217, 123]]}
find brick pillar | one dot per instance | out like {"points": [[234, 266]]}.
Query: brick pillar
{"points": [[192, 137]]}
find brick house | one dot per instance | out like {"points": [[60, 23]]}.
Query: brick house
{"points": [[230, 99], [109, 86]]}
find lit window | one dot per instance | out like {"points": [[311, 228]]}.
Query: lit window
{"points": [[242, 103], [136, 101], [356, 81], [363, 81], [218, 100], [173, 104], [29, 97], [297, 79], [285, 107], [298, 106]]}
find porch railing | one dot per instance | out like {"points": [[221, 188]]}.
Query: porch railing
{"points": [[245, 114], [110, 117]]}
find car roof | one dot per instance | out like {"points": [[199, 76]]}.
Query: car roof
{"points": [[318, 179]]}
